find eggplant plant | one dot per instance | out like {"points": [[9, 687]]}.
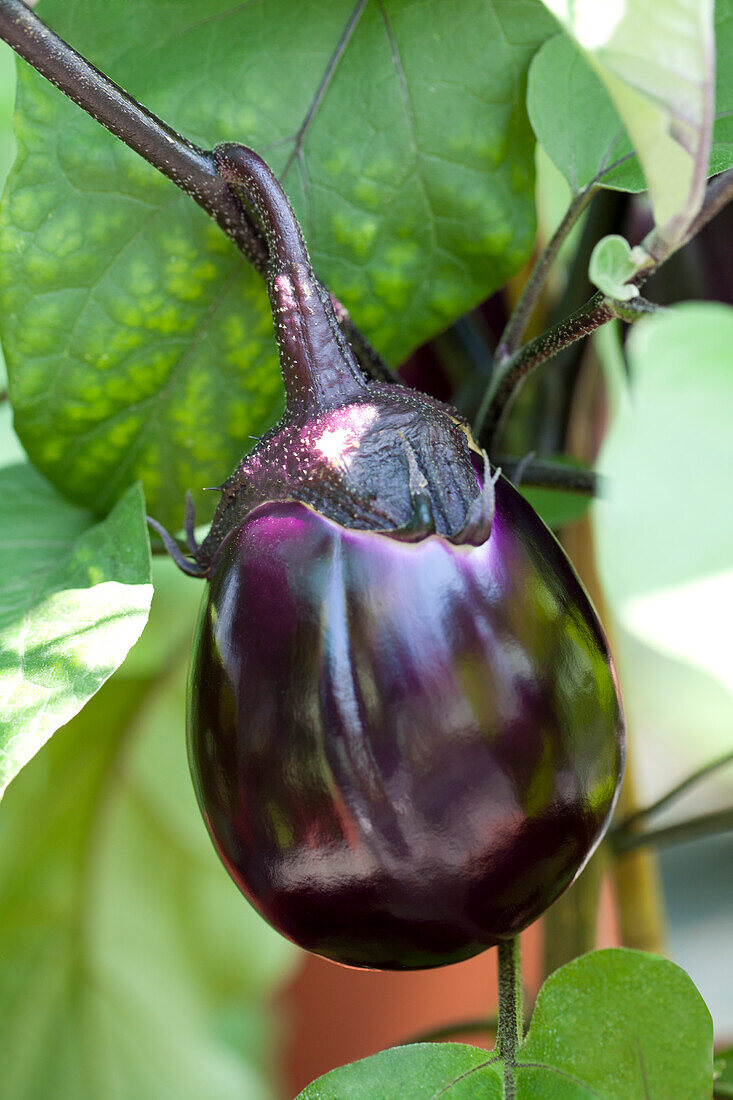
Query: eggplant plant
{"points": [[405, 727]]}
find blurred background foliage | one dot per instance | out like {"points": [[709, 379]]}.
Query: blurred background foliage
{"points": [[130, 966]]}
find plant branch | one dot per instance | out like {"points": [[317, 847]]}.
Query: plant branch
{"points": [[599, 309], [628, 823], [506, 380], [550, 475], [511, 337], [718, 193], [191, 168], [510, 1026], [719, 821]]}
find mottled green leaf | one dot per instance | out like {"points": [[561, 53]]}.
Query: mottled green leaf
{"points": [[138, 342], [74, 597], [657, 63], [131, 965], [423, 1071], [617, 1025]]}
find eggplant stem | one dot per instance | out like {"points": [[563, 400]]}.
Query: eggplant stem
{"points": [[510, 1027]]}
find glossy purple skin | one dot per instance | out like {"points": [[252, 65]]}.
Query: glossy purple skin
{"points": [[404, 752]]}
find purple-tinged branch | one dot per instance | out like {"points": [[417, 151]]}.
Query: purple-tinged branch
{"points": [[628, 824], [538, 473], [693, 828], [599, 309], [318, 367], [508, 379], [514, 331]]}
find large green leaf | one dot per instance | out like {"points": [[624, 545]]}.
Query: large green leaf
{"points": [[74, 597], [422, 1071], [131, 966], [657, 62], [617, 1025], [138, 342]]}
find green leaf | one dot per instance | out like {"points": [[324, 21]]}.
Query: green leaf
{"points": [[556, 507], [612, 264], [575, 121], [139, 344], [608, 1025], [577, 124], [657, 62], [421, 1070], [74, 597], [617, 1024], [131, 965], [664, 535]]}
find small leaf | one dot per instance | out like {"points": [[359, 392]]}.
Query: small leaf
{"points": [[422, 1071], [74, 597], [612, 264], [657, 62], [617, 1024]]}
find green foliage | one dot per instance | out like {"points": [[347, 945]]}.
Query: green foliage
{"points": [[611, 1025], [663, 523], [579, 126], [556, 507], [664, 536], [130, 964], [576, 122], [74, 597], [7, 96], [617, 1024], [139, 344], [421, 1070], [658, 66]]}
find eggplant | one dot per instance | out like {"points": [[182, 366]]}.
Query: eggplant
{"points": [[405, 729]]}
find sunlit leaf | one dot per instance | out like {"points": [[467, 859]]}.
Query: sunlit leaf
{"points": [[657, 63], [74, 597]]}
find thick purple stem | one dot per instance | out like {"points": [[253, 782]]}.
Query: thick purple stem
{"points": [[319, 368]]}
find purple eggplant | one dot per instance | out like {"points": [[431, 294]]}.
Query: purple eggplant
{"points": [[405, 730]]}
